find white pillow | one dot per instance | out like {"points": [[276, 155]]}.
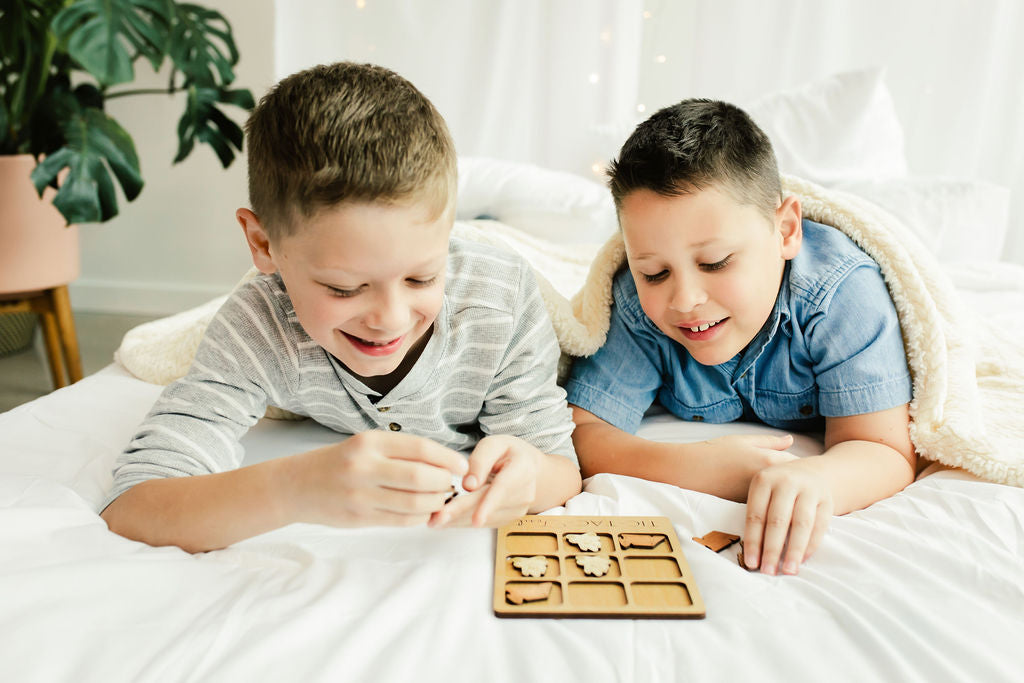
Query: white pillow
{"points": [[553, 205], [958, 219], [842, 128]]}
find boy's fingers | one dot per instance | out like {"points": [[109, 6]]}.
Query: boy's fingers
{"points": [[405, 475], [406, 503], [481, 461], [821, 523], [776, 528], [420, 449], [753, 533], [800, 529]]}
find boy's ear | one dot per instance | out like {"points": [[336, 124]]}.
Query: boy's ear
{"points": [[258, 241], [789, 221]]}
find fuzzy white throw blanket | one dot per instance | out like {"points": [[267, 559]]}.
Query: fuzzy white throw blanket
{"points": [[963, 347]]}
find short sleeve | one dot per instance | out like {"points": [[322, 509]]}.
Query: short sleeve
{"points": [[619, 382], [856, 348]]}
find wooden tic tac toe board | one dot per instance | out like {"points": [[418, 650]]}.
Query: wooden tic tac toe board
{"points": [[644, 573]]}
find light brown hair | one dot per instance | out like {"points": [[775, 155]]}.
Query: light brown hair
{"points": [[345, 132]]}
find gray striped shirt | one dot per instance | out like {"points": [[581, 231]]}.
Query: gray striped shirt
{"points": [[488, 368]]}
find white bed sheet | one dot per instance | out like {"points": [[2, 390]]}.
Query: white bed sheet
{"points": [[926, 585]]}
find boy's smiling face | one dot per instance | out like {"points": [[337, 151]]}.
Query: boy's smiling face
{"points": [[707, 268], [366, 279]]}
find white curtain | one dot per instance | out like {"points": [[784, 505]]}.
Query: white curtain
{"points": [[561, 82]]}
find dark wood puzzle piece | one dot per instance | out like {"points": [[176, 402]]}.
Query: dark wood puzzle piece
{"points": [[717, 540]]}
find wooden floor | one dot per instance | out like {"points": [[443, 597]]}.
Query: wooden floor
{"points": [[25, 375]]}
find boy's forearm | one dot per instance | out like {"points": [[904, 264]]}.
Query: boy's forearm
{"points": [[206, 512], [558, 481], [861, 473], [603, 448]]}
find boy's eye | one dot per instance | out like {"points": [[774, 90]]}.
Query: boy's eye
{"points": [[421, 283], [341, 292], [657, 277], [718, 265]]}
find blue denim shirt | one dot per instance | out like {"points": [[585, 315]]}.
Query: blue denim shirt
{"points": [[831, 347]]}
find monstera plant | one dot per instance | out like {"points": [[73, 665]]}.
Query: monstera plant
{"points": [[61, 61]]}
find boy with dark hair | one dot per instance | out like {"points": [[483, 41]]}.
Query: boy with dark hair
{"points": [[734, 307], [369, 320]]}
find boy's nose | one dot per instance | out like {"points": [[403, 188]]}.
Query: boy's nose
{"points": [[390, 313], [687, 296]]}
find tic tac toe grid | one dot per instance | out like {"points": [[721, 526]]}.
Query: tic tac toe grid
{"points": [[650, 581]]}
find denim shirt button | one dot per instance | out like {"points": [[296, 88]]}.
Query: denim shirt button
{"points": [[806, 410], [698, 418]]}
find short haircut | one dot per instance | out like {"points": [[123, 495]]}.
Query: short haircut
{"points": [[345, 132], [696, 144]]}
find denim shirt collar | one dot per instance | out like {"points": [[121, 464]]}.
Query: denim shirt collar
{"points": [[779, 318]]}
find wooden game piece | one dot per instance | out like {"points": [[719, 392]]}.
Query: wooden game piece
{"points": [[528, 592], [716, 540], [531, 566], [642, 541], [595, 565], [588, 542]]}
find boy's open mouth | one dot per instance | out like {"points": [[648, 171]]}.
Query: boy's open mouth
{"points": [[374, 348], [703, 331]]}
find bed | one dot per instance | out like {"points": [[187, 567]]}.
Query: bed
{"points": [[925, 585]]}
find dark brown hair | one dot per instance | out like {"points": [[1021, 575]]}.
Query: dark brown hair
{"points": [[696, 144]]}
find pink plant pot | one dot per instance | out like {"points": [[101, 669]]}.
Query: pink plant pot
{"points": [[37, 250]]}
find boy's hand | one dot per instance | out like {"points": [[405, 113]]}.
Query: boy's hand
{"points": [[785, 500], [738, 457], [374, 478], [502, 484]]}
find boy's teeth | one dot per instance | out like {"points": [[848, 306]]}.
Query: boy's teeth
{"points": [[701, 328]]}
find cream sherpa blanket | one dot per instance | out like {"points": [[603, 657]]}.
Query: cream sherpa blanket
{"points": [[963, 347]]}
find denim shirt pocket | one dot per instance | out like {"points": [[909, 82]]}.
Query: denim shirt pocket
{"points": [[789, 410], [719, 412]]}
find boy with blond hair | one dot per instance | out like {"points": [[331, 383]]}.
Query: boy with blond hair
{"points": [[367, 318], [735, 307]]}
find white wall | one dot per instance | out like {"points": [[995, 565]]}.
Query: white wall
{"points": [[178, 244], [560, 83]]}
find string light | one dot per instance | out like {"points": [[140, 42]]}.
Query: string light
{"points": [[660, 59], [594, 78], [597, 167], [606, 36], [641, 108], [360, 4], [647, 14]]}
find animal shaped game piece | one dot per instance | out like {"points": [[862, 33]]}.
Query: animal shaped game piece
{"points": [[717, 540], [643, 541], [595, 565], [588, 542], [531, 566], [528, 592]]}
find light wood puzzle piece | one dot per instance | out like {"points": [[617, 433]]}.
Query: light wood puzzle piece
{"points": [[595, 565], [528, 592], [588, 542], [531, 566], [642, 541], [717, 540]]}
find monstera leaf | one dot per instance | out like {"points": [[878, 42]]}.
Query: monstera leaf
{"points": [[95, 146], [203, 121], [107, 36], [202, 47]]}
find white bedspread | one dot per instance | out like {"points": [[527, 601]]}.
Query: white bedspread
{"points": [[926, 585]]}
